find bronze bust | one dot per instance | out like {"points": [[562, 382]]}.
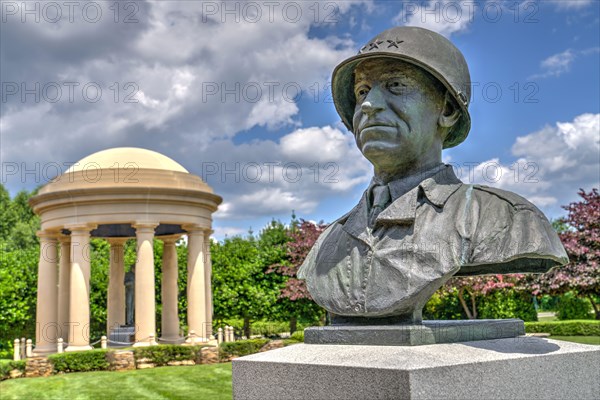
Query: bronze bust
{"points": [[405, 97]]}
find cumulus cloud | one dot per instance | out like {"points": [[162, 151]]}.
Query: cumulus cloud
{"points": [[266, 178], [560, 63], [180, 77], [553, 163], [571, 4], [556, 64], [445, 17]]}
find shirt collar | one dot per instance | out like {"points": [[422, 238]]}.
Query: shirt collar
{"points": [[437, 188]]}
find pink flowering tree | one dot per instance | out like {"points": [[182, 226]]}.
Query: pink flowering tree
{"points": [[295, 298], [581, 238]]}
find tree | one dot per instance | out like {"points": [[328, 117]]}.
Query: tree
{"points": [[581, 239], [478, 286], [241, 288], [295, 300]]}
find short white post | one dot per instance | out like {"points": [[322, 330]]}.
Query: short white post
{"points": [[103, 342], [152, 339], [220, 335], [23, 355], [17, 350], [59, 345], [29, 349], [192, 336]]}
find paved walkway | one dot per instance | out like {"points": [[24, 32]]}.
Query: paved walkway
{"points": [[546, 314]]}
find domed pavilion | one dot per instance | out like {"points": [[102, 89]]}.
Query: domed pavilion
{"points": [[121, 194]]}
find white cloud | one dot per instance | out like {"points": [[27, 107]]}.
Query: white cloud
{"points": [[560, 63], [445, 17], [556, 64], [571, 4], [223, 231], [553, 164], [266, 178], [171, 59]]}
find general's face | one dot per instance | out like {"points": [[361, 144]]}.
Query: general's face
{"points": [[396, 116]]}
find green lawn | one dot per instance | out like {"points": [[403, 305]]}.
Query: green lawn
{"points": [[579, 339], [196, 382]]}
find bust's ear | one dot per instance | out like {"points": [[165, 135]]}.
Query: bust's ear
{"points": [[450, 112]]}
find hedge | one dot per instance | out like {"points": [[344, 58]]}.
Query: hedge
{"points": [[163, 354], [80, 361], [571, 307], [241, 347], [565, 328], [6, 367], [270, 329]]}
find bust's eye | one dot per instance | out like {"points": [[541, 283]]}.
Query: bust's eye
{"points": [[396, 86], [361, 92]]}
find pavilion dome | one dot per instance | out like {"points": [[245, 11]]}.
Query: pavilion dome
{"points": [[118, 157], [115, 189]]}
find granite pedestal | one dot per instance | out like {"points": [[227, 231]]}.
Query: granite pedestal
{"points": [[514, 368], [429, 332]]}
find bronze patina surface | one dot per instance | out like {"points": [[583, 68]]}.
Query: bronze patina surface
{"points": [[405, 96]]}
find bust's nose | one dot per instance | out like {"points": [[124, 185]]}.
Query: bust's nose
{"points": [[373, 103]]}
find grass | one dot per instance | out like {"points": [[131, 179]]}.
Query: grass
{"points": [[579, 339], [194, 382]]}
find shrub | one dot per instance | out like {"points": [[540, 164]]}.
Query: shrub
{"points": [[507, 304], [6, 367], [163, 354], [548, 303], [298, 336], [565, 328], [572, 307], [241, 347], [80, 361], [443, 305], [269, 328]]}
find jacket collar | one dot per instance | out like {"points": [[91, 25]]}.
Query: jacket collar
{"points": [[436, 189]]}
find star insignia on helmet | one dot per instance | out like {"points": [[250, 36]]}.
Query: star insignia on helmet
{"points": [[375, 45], [394, 43]]}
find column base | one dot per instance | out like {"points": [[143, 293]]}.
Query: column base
{"points": [[145, 344], [45, 350], [78, 348], [171, 340], [196, 340]]}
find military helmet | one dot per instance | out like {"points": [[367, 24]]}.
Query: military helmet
{"points": [[422, 48]]}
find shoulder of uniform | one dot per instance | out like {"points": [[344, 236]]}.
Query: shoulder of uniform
{"points": [[516, 201], [342, 219]]}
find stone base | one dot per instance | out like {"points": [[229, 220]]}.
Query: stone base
{"points": [[44, 351], [78, 348], [38, 366], [516, 368], [145, 343], [175, 340], [429, 332]]}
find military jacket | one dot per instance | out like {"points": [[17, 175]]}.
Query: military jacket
{"points": [[438, 229]]}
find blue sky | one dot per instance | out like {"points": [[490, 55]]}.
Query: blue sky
{"points": [[194, 70]]}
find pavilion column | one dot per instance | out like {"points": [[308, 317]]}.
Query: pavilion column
{"points": [[145, 307], [207, 282], [46, 332], [169, 293], [79, 298], [196, 284], [64, 286], [116, 287]]}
